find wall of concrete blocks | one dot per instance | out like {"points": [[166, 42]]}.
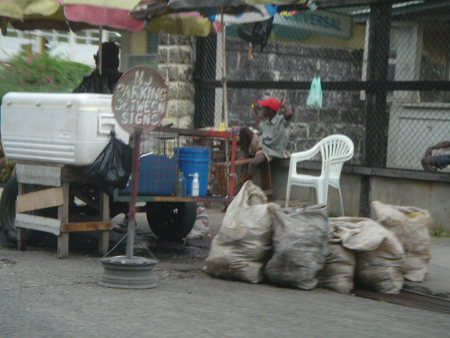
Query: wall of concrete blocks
{"points": [[342, 111]]}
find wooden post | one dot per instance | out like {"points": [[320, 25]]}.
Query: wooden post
{"points": [[103, 237], [63, 215]]}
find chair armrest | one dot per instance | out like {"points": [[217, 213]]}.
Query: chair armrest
{"points": [[304, 155], [301, 156]]}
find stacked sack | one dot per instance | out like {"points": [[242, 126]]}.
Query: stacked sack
{"points": [[299, 244], [379, 254], [301, 247], [243, 245], [260, 239], [411, 226]]}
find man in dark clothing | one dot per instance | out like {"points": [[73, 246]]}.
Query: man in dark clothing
{"points": [[106, 81]]}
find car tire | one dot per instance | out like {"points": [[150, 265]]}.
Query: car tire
{"points": [[8, 215], [171, 221]]}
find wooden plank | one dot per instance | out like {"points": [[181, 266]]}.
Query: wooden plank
{"points": [[237, 162], [40, 223], [85, 198], [40, 199], [86, 226], [38, 174]]}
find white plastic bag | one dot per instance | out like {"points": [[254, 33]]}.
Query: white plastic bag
{"points": [[315, 94], [201, 225]]}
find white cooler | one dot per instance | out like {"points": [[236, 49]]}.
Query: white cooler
{"points": [[57, 128]]}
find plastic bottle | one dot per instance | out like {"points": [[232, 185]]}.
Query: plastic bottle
{"points": [[195, 185], [181, 184]]}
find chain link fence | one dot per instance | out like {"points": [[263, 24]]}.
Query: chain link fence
{"points": [[384, 71]]}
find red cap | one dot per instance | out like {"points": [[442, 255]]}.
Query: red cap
{"points": [[270, 102]]}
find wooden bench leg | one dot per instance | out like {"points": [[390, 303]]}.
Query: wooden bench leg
{"points": [[63, 245], [103, 242], [63, 215], [103, 237], [22, 239]]}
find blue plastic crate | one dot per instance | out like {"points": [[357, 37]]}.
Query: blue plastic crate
{"points": [[157, 175]]}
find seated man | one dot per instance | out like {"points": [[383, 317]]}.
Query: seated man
{"points": [[432, 163], [274, 134]]}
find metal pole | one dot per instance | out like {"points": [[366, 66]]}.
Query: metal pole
{"points": [[133, 194], [224, 74], [100, 49], [224, 94]]}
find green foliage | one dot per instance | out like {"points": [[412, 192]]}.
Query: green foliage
{"points": [[439, 232], [40, 73], [6, 169]]}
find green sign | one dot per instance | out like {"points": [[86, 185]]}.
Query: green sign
{"points": [[320, 22]]}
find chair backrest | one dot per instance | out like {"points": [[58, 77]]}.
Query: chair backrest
{"points": [[335, 150]]}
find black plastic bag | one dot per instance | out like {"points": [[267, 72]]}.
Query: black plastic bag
{"points": [[93, 83], [112, 168], [257, 33]]}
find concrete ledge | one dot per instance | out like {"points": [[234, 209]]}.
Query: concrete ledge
{"points": [[368, 171]]}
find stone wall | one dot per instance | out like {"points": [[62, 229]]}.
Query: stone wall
{"points": [[176, 61], [342, 112]]}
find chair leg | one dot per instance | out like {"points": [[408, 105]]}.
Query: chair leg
{"points": [[342, 203], [288, 195], [311, 195]]}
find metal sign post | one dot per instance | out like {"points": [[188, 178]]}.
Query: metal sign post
{"points": [[139, 104]]}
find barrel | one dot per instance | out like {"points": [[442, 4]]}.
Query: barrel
{"points": [[193, 160]]}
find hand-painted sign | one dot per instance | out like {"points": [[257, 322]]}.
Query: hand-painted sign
{"points": [[320, 22], [140, 99]]}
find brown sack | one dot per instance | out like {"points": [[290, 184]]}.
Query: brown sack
{"points": [[411, 226], [379, 255], [339, 270], [244, 242], [299, 242]]}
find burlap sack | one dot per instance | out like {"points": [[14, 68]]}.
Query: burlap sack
{"points": [[379, 255], [243, 245], [339, 270], [411, 226], [299, 243]]}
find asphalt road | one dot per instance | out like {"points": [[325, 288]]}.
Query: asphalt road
{"points": [[41, 296]]}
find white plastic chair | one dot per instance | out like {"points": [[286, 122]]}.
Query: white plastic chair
{"points": [[335, 150]]}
